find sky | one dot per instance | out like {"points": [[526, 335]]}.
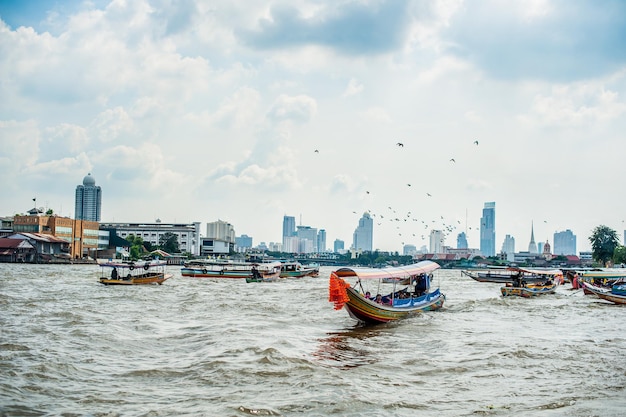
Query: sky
{"points": [[247, 111]]}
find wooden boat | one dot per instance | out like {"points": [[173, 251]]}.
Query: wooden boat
{"points": [[603, 278], [616, 295], [529, 290], [511, 274], [532, 282], [133, 273], [294, 269], [394, 305], [232, 269]]}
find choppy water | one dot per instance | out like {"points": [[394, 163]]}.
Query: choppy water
{"points": [[71, 346]]}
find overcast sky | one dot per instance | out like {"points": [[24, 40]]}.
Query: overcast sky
{"points": [[246, 111]]}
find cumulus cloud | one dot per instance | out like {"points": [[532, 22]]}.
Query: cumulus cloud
{"points": [[297, 109], [354, 28], [354, 87]]}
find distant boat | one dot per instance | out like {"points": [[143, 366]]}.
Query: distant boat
{"points": [[294, 269], [133, 273], [231, 269], [511, 274], [532, 282], [603, 278], [394, 305]]}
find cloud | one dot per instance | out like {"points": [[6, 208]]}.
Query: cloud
{"points": [[354, 87], [298, 109], [569, 40], [574, 106], [354, 28]]}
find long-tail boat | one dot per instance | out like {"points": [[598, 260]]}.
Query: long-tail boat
{"points": [[532, 282], [616, 295], [133, 273], [411, 293]]}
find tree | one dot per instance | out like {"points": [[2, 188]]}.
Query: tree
{"points": [[50, 212], [619, 255], [169, 242], [603, 240]]}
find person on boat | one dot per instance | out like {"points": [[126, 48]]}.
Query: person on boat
{"points": [[379, 298], [255, 273], [368, 295], [421, 285], [114, 273]]}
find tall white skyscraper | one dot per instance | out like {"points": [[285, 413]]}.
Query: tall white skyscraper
{"points": [[437, 241], [289, 231], [88, 200], [363, 235], [508, 247]]}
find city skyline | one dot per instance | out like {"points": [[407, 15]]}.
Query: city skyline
{"points": [[415, 112]]}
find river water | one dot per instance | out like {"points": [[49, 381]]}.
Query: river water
{"points": [[197, 347]]}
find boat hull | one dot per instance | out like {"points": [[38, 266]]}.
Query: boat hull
{"points": [[157, 279], [368, 311]]}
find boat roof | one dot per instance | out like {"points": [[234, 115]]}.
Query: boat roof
{"points": [[536, 271], [406, 271], [138, 264]]}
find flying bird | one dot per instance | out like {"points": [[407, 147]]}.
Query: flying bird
{"points": [[316, 151], [400, 144], [452, 160], [367, 192], [476, 142], [428, 194], [409, 185]]}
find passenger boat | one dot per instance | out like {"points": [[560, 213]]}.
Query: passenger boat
{"points": [[394, 305], [616, 295], [533, 282], [510, 275], [133, 273], [231, 269], [294, 269]]}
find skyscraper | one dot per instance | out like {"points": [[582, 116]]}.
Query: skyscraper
{"points": [[88, 200], [436, 241], [461, 241], [364, 234], [289, 229], [508, 247], [488, 230], [564, 243], [321, 240]]}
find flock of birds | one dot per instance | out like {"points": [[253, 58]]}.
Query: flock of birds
{"points": [[446, 226]]}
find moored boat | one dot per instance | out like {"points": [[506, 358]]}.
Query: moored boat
{"points": [[133, 273], [529, 290], [397, 304], [511, 274]]}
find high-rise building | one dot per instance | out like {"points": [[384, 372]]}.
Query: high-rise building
{"points": [[289, 231], [338, 246], [88, 200], [532, 246], [221, 230], [243, 243], [436, 241], [363, 235], [488, 230], [508, 247], [321, 240], [307, 239], [564, 243], [461, 241]]}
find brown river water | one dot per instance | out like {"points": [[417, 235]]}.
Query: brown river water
{"points": [[70, 346]]}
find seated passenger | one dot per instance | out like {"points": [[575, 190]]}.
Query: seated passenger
{"points": [[379, 299]]}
